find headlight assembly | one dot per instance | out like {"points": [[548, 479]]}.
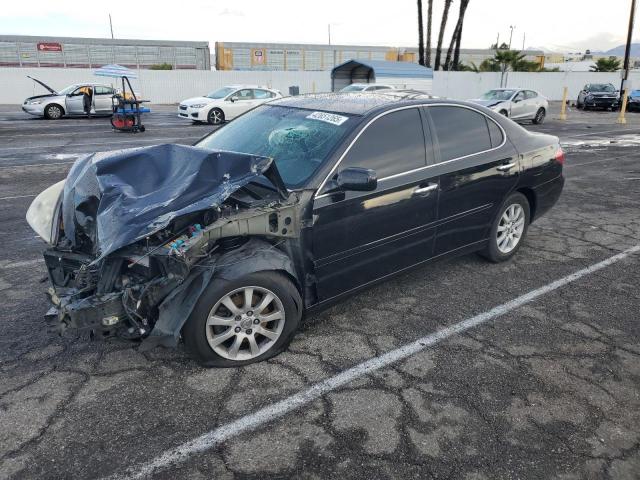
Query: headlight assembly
{"points": [[34, 102], [198, 105]]}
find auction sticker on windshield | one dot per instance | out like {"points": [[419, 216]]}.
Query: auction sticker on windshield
{"points": [[328, 117]]}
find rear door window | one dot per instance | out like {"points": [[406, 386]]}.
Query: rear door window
{"points": [[262, 94], [530, 94], [392, 144], [460, 131], [99, 90]]}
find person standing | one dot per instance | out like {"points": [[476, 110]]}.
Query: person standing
{"points": [[87, 97]]}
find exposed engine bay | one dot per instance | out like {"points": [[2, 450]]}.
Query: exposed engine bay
{"points": [[137, 235]]}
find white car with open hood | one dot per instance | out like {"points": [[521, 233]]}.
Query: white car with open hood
{"points": [[226, 103]]}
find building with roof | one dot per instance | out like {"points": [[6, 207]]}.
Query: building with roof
{"points": [[310, 57], [399, 74], [74, 52]]}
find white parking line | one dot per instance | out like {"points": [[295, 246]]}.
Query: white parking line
{"points": [[139, 139], [25, 263], [5, 167], [279, 409], [17, 196]]}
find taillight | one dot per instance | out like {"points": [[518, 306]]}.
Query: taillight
{"points": [[560, 156]]}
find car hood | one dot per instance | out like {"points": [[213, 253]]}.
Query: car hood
{"points": [[51, 90], [52, 96], [114, 199], [196, 100], [487, 103]]}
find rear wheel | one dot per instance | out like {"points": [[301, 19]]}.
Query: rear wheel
{"points": [[243, 321], [53, 112], [539, 118], [508, 229], [215, 117]]}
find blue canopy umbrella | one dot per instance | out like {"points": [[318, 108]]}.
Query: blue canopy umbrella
{"points": [[126, 115], [115, 71]]}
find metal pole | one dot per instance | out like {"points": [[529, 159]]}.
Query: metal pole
{"points": [[624, 87], [563, 107], [512, 27], [329, 30], [524, 35], [627, 49], [111, 26], [498, 41]]}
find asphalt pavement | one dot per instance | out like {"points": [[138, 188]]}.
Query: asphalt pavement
{"points": [[521, 371]]}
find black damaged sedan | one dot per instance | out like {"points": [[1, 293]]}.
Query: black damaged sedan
{"points": [[286, 210]]}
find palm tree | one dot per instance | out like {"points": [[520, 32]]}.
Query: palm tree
{"points": [[610, 64], [443, 24], [455, 38], [420, 35], [456, 53], [429, 18]]}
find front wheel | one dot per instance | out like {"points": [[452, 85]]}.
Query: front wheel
{"points": [[53, 112], [539, 118], [243, 321], [215, 117], [508, 229]]}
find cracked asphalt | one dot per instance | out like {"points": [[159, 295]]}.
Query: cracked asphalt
{"points": [[551, 390]]}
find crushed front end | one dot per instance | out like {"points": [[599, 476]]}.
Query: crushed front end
{"points": [[139, 233]]}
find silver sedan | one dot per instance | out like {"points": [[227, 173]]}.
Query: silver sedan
{"points": [[516, 103]]}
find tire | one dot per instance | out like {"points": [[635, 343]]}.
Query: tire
{"points": [[215, 117], [539, 118], [231, 328], [495, 251], [504, 113], [53, 111]]}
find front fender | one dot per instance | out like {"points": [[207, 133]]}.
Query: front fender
{"points": [[256, 255]]}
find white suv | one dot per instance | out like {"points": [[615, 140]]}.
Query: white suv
{"points": [[226, 103]]}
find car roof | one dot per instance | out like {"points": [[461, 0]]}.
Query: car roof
{"points": [[356, 103], [247, 86]]}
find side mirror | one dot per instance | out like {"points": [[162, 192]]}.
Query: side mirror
{"points": [[234, 98], [356, 179]]}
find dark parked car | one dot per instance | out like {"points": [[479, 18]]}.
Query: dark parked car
{"points": [[633, 101], [598, 95], [331, 193]]}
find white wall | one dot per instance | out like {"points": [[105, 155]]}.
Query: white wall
{"points": [[175, 85], [156, 85], [465, 85]]}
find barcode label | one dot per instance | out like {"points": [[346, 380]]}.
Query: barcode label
{"points": [[328, 117]]}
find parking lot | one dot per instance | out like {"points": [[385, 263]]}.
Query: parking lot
{"points": [[546, 387]]}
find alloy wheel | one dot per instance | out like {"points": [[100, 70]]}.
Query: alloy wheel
{"points": [[245, 323], [510, 228], [54, 112], [216, 117]]}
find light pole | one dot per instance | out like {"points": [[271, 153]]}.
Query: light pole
{"points": [[625, 74], [111, 26], [329, 31], [512, 27]]}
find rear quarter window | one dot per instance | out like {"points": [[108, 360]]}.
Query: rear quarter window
{"points": [[461, 131]]}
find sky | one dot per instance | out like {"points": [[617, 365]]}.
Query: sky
{"points": [[554, 25]]}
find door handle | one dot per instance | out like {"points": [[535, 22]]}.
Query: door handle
{"points": [[429, 188], [506, 167]]}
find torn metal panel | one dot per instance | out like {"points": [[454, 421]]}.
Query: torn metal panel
{"points": [[114, 199], [254, 256]]}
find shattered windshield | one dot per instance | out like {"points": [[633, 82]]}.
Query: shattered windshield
{"points": [[498, 95], [298, 140], [221, 92], [601, 87]]}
